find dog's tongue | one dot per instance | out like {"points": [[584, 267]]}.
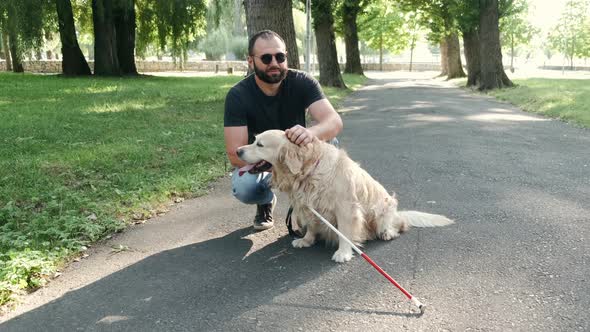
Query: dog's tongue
{"points": [[245, 169]]}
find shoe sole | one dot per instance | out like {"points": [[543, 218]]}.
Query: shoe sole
{"points": [[263, 227]]}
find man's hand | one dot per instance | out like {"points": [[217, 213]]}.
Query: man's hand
{"points": [[299, 135]]}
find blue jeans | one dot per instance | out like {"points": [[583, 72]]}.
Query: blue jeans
{"points": [[252, 188], [255, 188]]}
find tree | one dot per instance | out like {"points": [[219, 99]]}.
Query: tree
{"points": [[349, 11], [515, 30], [466, 12], [14, 44], [323, 24], [275, 15], [413, 26], [6, 49], [171, 25], [125, 26], [492, 68], [73, 61], [568, 36], [4, 34], [226, 33], [439, 17], [23, 23], [382, 28], [106, 61]]}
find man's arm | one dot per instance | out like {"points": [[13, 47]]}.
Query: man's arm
{"points": [[328, 126], [234, 138]]}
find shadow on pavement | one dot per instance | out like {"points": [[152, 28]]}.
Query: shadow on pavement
{"points": [[202, 285]]}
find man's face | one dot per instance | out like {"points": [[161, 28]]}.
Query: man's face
{"points": [[263, 50]]}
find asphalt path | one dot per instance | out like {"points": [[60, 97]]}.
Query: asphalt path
{"points": [[517, 258]]}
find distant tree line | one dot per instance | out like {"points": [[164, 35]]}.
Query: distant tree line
{"points": [[125, 29]]}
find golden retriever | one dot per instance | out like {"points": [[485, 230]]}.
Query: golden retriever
{"points": [[323, 177]]}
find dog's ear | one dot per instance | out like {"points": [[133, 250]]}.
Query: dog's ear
{"points": [[289, 155]]}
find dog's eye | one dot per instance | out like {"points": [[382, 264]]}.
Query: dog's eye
{"points": [[259, 144]]}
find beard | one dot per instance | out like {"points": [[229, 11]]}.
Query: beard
{"points": [[272, 78]]}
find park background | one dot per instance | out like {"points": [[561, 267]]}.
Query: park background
{"points": [[94, 149]]}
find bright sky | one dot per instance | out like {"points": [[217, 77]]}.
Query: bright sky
{"points": [[545, 13]]}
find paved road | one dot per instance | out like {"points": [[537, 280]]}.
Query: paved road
{"points": [[517, 258]]}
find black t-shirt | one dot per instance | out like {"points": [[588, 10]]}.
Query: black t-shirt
{"points": [[247, 105]]}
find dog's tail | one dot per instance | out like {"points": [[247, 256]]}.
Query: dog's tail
{"points": [[421, 219]]}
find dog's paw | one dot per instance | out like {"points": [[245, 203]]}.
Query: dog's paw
{"points": [[300, 243], [389, 234], [341, 256]]}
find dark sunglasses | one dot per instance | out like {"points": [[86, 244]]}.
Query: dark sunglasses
{"points": [[267, 58]]}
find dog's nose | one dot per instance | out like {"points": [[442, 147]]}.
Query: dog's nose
{"points": [[239, 152]]}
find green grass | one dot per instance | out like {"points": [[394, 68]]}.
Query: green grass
{"points": [[336, 96], [81, 158], [564, 99]]}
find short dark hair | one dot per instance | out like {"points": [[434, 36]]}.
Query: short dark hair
{"points": [[264, 34]]}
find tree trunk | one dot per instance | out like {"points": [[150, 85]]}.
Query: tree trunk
{"points": [[6, 50], [106, 61], [512, 52], [238, 27], [13, 41], [15, 54], [275, 15], [73, 61], [492, 69], [381, 51], [444, 62], [471, 50], [350, 12], [573, 51], [323, 25], [455, 68], [124, 20], [412, 47]]}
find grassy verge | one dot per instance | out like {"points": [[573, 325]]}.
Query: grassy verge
{"points": [[564, 99], [82, 158], [336, 96]]}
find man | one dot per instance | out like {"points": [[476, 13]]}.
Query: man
{"points": [[274, 97]]}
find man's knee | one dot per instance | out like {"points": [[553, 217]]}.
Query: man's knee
{"points": [[252, 188]]}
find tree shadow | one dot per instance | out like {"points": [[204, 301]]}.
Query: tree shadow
{"points": [[195, 287]]}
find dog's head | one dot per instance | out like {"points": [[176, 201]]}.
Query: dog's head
{"points": [[273, 147]]}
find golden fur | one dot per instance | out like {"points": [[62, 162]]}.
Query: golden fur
{"points": [[323, 177]]}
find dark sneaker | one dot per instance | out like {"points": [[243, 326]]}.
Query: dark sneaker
{"points": [[263, 219]]}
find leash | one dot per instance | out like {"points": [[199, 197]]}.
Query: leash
{"points": [[296, 234]]}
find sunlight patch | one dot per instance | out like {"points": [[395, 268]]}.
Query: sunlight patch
{"points": [[430, 118], [123, 107], [101, 89], [495, 117], [112, 319]]}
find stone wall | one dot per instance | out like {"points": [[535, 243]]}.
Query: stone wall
{"points": [[54, 66]]}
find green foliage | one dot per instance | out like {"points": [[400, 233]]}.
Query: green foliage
{"points": [[322, 11], [215, 44], [383, 25], [29, 20], [172, 25], [225, 31], [515, 30], [572, 33], [238, 45]]}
